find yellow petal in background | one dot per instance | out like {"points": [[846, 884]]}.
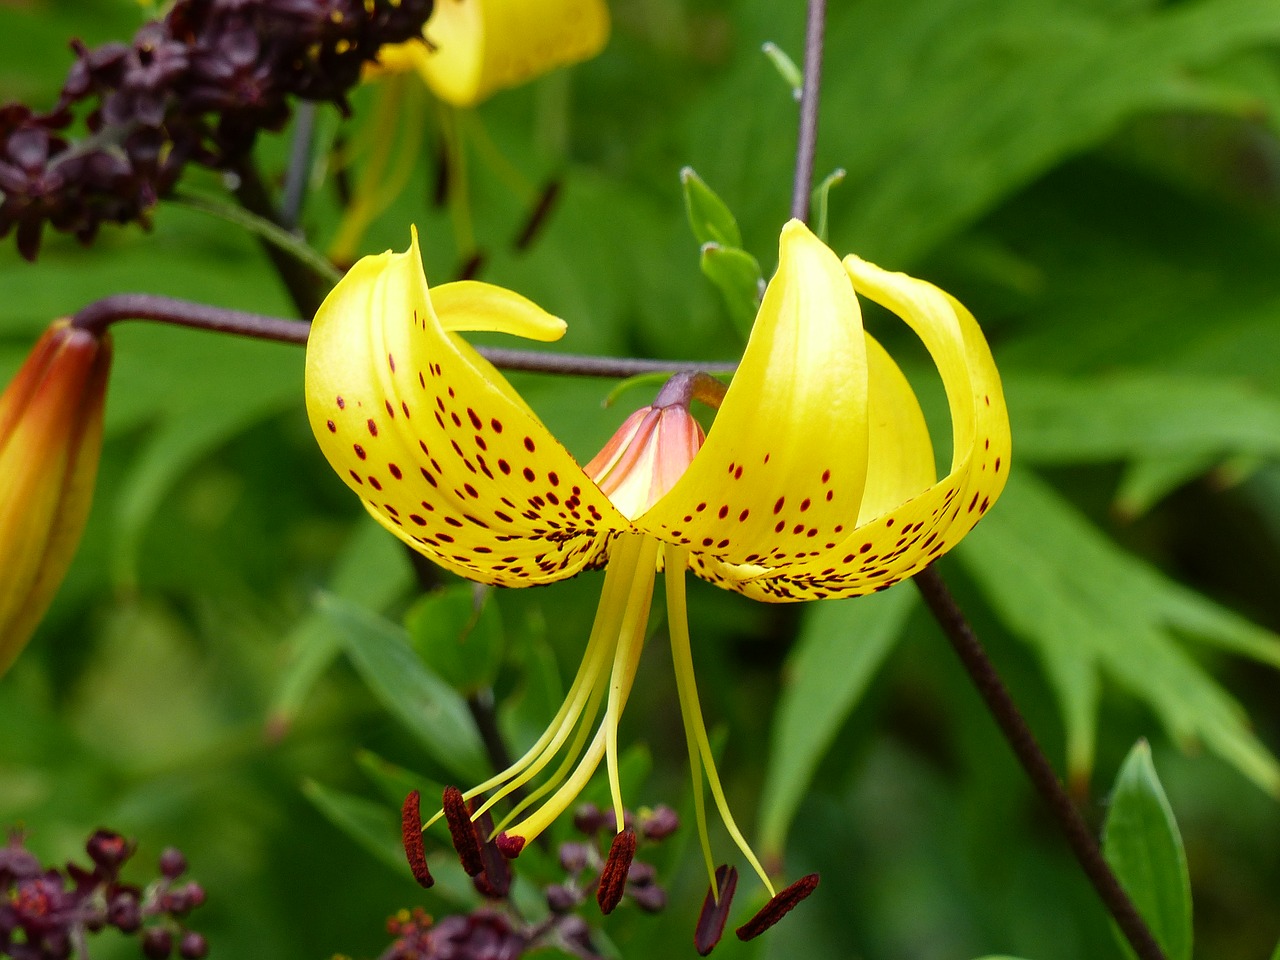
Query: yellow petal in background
{"points": [[782, 472], [50, 441], [477, 47], [439, 447]]}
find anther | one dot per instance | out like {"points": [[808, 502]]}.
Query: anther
{"points": [[462, 832], [778, 907], [510, 845], [613, 878], [715, 910], [495, 881], [411, 835]]}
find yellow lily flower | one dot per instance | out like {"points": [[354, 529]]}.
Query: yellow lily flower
{"points": [[50, 439], [474, 48], [817, 479]]}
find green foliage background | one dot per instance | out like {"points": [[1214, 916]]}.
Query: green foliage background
{"points": [[1099, 180]]}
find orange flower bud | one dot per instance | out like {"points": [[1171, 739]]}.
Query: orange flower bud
{"points": [[50, 439]]}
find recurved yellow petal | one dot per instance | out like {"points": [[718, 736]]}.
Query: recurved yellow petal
{"points": [[477, 47], [438, 446], [472, 305], [781, 475], [901, 541]]}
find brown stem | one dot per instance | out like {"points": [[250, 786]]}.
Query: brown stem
{"points": [[807, 138], [100, 314], [1041, 773]]}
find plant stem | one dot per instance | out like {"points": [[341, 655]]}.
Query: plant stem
{"points": [[301, 285], [807, 138], [995, 694], [947, 612], [100, 314]]}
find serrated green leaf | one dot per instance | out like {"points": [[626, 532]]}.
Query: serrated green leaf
{"points": [[817, 695], [458, 635], [1142, 844], [427, 706], [1089, 609], [736, 274], [709, 217]]}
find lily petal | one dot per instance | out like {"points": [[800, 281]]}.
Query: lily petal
{"points": [[783, 469], [481, 46], [901, 541], [437, 444]]}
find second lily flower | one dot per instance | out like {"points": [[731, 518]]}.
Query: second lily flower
{"points": [[817, 478]]}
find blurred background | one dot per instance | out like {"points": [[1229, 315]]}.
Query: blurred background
{"points": [[1097, 180]]}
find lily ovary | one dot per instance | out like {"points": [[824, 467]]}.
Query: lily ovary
{"points": [[50, 441], [816, 479]]}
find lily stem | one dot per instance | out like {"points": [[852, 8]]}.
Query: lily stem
{"points": [[996, 695], [100, 314], [807, 139]]}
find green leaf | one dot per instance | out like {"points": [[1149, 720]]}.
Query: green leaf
{"points": [[426, 705], [395, 782], [373, 570], [709, 216], [458, 634], [786, 68], [737, 276], [1140, 414], [1142, 844], [374, 826], [821, 195], [842, 644], [272, 233], [1091, 610]]}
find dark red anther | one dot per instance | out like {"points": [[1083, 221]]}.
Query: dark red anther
{"points": [[715, 910], [778, 907], [613, 878], [495, 881], [462, 831], [411, 835], [510, 845]]}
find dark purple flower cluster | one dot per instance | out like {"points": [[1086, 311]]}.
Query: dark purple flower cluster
{"points": [[496, 931], [195, 86], [48, 914]]}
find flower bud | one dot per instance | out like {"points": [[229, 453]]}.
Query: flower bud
{"points": [[50, 439]]}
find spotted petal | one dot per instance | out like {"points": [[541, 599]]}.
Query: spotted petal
{"points": [[438, 445], [784, 466], [895, 542]]}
